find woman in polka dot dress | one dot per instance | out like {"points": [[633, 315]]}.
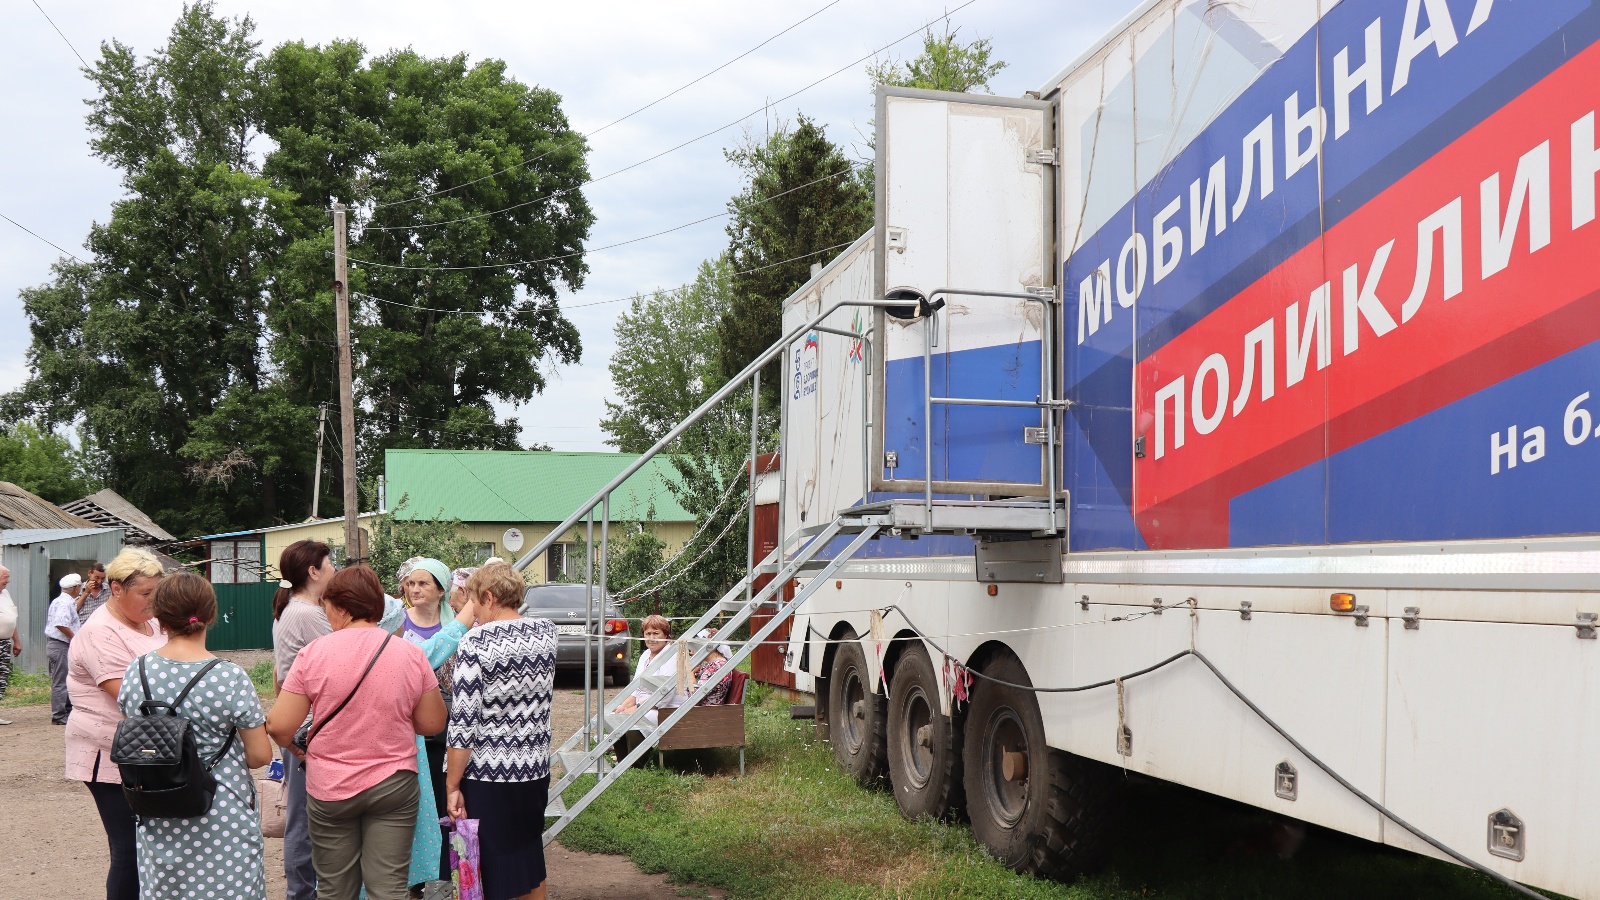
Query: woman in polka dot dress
{"points": [[219, 854]]}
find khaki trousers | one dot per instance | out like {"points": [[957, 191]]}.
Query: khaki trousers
{"points": [[365, 840]]}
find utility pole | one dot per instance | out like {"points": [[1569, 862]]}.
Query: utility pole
{"points": [[316, 480], [347, 400]]}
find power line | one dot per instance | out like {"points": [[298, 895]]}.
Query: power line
{"points": [[495, 212], [686, 143], [641, 109], [471, 312], [72, 256], [63, 36]]}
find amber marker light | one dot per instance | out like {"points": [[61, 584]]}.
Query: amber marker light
{"points": [[1342, 602], [994, 590]]}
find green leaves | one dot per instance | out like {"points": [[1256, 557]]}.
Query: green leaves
{"points": [[801, 200], [46, 463], [202, 330], [943, 65]]}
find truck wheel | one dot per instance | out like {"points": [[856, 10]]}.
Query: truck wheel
{"points": [[1040, 811], [924, 749], [856, 716]]}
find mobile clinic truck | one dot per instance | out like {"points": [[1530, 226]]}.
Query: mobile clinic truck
{"points": [[1289, 313]]}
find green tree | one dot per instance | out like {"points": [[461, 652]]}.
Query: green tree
{"points": [[201, 328], [667, 358], [422, 148], [943, 65], [46, 463], [801, 199], [167, 321]]}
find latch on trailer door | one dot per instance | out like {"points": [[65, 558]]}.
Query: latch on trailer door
{"points": [[1586, 626], [1286, 781], [1508, 836]]}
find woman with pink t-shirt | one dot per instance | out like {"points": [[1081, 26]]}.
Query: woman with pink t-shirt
{"points": [[114, 636], [361, 756]]}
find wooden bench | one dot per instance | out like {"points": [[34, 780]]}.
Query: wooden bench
{"points": [[705, 727]]}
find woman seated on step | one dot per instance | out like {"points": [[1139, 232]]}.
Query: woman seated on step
{"points": [[659, 660]]}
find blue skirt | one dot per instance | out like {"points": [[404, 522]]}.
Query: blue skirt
{"points": [[510, 818]]}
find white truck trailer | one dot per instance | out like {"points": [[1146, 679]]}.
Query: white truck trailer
{"points": [[1234, 428]]}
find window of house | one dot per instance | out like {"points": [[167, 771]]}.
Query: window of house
{"points": [[555, 562], [236, 561]]}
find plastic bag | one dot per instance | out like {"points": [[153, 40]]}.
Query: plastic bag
{"points": [[464, 859]]}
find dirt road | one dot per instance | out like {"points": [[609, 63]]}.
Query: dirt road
{"points": [[52, 846]]}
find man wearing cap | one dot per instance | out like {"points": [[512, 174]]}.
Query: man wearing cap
{"points": [[60, 624]]}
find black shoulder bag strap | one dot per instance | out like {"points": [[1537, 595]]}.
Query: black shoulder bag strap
{"points": [[172, 708], [318, 726]]}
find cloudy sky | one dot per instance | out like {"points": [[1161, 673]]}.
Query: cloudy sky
{"points": [[606, 58]]}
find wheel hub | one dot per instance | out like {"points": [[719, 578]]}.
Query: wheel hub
{"points": [[1006, 766], [918, 747]]}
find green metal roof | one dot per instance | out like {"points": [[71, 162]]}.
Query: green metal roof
{"points": [[532, 486]]}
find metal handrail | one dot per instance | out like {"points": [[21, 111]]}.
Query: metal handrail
{"points": [[1046, 400], [711, 402]]}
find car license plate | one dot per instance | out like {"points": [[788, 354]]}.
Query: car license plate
{"points": [[569, 629]]}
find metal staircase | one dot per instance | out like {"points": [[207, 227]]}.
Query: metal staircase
{"points": [[586, 751], [610, 726]]}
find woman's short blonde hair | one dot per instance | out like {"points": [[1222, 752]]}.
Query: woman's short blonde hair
{"points": [[131, 563], [499, 579]]}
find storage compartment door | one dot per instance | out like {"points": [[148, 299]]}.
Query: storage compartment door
{"points": [[964, 186]]}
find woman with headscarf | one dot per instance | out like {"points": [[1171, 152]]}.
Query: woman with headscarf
{"points": [[425, 584]]}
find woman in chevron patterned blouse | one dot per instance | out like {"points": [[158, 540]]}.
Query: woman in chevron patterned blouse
{"points": [[498, 759]]}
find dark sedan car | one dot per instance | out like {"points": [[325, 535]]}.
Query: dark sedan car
{"points": [[565, 604]]}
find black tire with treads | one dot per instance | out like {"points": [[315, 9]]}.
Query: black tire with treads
{"points": [[856, 716], [1057, 820], [924, 747]]}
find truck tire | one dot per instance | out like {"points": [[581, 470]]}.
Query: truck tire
{"points": [[856, 716], [1056, 816], [924, 747]]}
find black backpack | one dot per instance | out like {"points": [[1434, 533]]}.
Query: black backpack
{"points": [[163, 775]]}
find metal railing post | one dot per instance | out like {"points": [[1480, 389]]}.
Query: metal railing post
{"points": [[927, 422], [588, 668], [605, 550], [750, 501]]}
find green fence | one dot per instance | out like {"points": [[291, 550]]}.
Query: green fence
{"points": [[244, 617]]}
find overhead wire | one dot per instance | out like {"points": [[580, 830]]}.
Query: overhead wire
{"points": [[72, 256], [63, 36], [636, 296], [619, 121], [693, 140], [851, 166]]}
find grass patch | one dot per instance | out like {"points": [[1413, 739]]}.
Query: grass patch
{"points": [[798, 828], [261, 675], [26, 690]]}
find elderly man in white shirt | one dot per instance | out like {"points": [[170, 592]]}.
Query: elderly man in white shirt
{"points": [[60, 625], [10, 642]]}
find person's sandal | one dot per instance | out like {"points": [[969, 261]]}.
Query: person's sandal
{"points": [[5, 721]]}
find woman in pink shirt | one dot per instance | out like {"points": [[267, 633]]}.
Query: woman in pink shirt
{"points": [[361, 761], [114, 636]]}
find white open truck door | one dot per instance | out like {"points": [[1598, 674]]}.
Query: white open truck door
{"points": [[965, 229]]}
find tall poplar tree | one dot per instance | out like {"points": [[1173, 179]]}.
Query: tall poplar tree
{"points": [[197, 340], [802, 198]]}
